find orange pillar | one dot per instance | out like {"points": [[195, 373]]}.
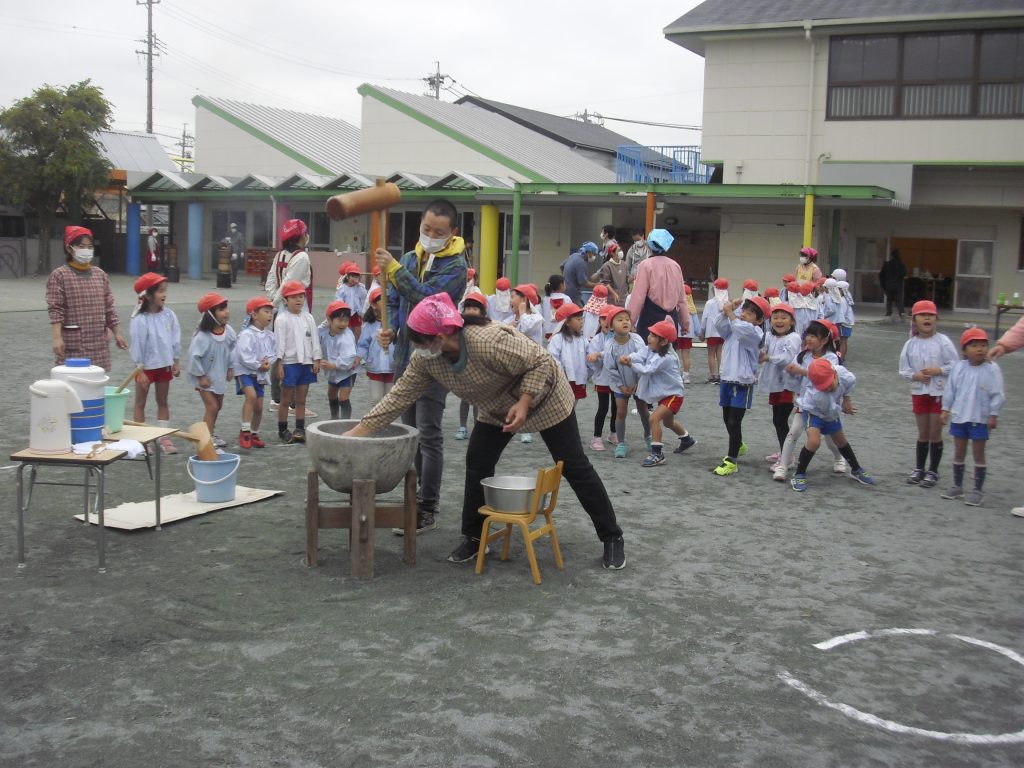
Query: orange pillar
{"points": [[649, 220]]}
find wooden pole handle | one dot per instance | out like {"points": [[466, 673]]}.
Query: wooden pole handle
{"points": [[382, 219], [129, 377]]}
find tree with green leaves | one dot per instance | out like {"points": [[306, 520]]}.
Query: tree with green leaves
{"points": [[50, 152]]}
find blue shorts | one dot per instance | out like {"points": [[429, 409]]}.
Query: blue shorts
{"points": [[969, 430], [297, 374], [244, 380], [731, 394], [621, 395], [846, 331], [826, 427], [346, 383]]}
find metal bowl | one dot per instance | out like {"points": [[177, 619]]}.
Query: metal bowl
{"points": [[511, 494]]}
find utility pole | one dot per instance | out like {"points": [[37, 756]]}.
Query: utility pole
{"points": [[148, 53], [186, 143], [434, 81]]}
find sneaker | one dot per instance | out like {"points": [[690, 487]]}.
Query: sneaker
{"points": [[686, 378], [167, 446], [1017, 511], [712, 379], [954, 492], [648, 441], [620, 451], [798, 483], [299, 436], [310, 413], [614, 554], [526, 437], [219, 442], [840, 467], [286, 436], [915, 477], [466, 551], [245, 440], [426, 520], [780, 473], [257, 442], [743, 449], [930, 479], [727, 467], [862, 477], [973, 498], [653, 460], [597, 444], [461, 433], [613, 439], [773, 459], [686, 441]]}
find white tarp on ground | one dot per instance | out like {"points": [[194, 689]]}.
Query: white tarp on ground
{"points": [[140, 514]]}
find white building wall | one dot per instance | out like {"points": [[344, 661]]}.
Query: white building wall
{"points": [[226, 150], [392, 141], [759, 245]]}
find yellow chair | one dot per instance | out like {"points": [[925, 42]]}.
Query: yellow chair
{"points": [[545, 496]]}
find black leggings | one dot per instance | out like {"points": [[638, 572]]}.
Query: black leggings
{"points": [[733, 418], [780, 418], [604, 401]]}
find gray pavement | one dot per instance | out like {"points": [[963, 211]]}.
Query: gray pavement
{"points": [[210, 643]]}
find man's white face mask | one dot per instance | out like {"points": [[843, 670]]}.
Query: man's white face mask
{"points": [[433, 244]]}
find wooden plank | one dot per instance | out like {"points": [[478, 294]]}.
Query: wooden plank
{"points": [[409, 545], [312, 517], [363, 514]]}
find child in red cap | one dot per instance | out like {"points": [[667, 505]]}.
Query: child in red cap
{"points": [[378, 355], [971, 405], [684, 341], [623, 379], [341, 358], [298, 359], [209, 358], [255, 354], [352, 291], [569, 348], [602, 382], [925, 361], [712, 309], [156, 346], [822, 404], [501, 301]]}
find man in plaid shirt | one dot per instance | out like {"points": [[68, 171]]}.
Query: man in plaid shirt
{"points": [[436, 265]]}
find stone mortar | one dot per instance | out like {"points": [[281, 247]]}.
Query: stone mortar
{"points": [[384, 456]]}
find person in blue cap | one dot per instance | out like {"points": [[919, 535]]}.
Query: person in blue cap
{"points": [[658, 290], [577, 276]]}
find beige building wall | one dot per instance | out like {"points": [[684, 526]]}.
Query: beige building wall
{"points": [[760, 245], [225, 150]]}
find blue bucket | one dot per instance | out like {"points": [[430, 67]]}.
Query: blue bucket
{"points": [[79, 435], [215, 480]]}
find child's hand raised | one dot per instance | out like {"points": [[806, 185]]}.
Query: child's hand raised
{"points": [[626, 360]]}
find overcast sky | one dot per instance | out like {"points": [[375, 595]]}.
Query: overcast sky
{"points": [[606, 56]]}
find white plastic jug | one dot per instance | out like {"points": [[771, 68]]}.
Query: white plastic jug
{"points": [[88, 380], [50, 422]]}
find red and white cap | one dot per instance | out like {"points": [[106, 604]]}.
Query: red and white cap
{"points": [[336, 306], [529, 290], [147, 281], [665, 329], [292, 228], [721, 284], [210, 300], [502, 283], [601, 291], [292, 288]]}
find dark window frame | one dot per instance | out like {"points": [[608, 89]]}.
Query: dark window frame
{"points": [[898, 82]]}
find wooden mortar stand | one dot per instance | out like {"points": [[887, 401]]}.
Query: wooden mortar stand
{"points": [[361, 516]]}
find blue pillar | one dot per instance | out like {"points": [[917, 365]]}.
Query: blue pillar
{"points": [[195, 240], [131, 257]]}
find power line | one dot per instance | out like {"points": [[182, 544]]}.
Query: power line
{"points": [[586, 115]]}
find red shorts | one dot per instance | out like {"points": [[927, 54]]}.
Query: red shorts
{"points": [[780, 398], [673, 403], [157, 375], [927, 404], [355, 322], [684, 342], [387, 378], [601, 389], [578, 390], [714, 341]]}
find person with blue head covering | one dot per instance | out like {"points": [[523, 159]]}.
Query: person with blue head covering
{"points": [[576, 273], [658, 290]]}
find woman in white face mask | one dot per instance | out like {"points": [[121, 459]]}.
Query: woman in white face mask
{"points": [[81, 305]]}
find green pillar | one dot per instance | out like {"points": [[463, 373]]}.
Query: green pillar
{"points": [[517, 205]]}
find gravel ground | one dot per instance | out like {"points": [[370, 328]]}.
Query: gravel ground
{"points": [[210, 643]]}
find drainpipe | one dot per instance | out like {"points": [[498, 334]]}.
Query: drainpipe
{"points": [[273, 222], [808, 193]]}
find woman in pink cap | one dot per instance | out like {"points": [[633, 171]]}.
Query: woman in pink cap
{"points": [[515, 385]]}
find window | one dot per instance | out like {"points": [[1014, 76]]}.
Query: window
{"points": [[222, 220], [973, 274], [927, 76], [319, 225], [524, 233], [261, 236]]}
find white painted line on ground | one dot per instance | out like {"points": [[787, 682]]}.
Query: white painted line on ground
{"points": [[867, 718]]}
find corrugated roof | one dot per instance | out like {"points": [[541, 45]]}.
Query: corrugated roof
{"points": [[329, 144], [514, 144], [574, 133], [132, 151]]}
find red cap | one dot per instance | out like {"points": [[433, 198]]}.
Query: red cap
{"points": [[665, 329], [529, 290], [147, 281], [924, 307], [820, 281], [616, 311], [374, 295], [470, 273], [601, 291], [688, 289], [721, 283], [750, 285], [476, 296], [502, 283], [210, 300], [376, 270], [805, 288], [793, 286], [771, 292], [566, 311], [611, 248], [810, 253], [292, 228], [336, 306], [821, 373], [257, 302], [291, 288], [73, 233], [349, 268], [833, 329], [608, 311], [972, 334], [762, 304], [788, 278], [784, 307]]}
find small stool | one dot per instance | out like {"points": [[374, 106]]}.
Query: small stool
{"points": [[361, 517]]}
